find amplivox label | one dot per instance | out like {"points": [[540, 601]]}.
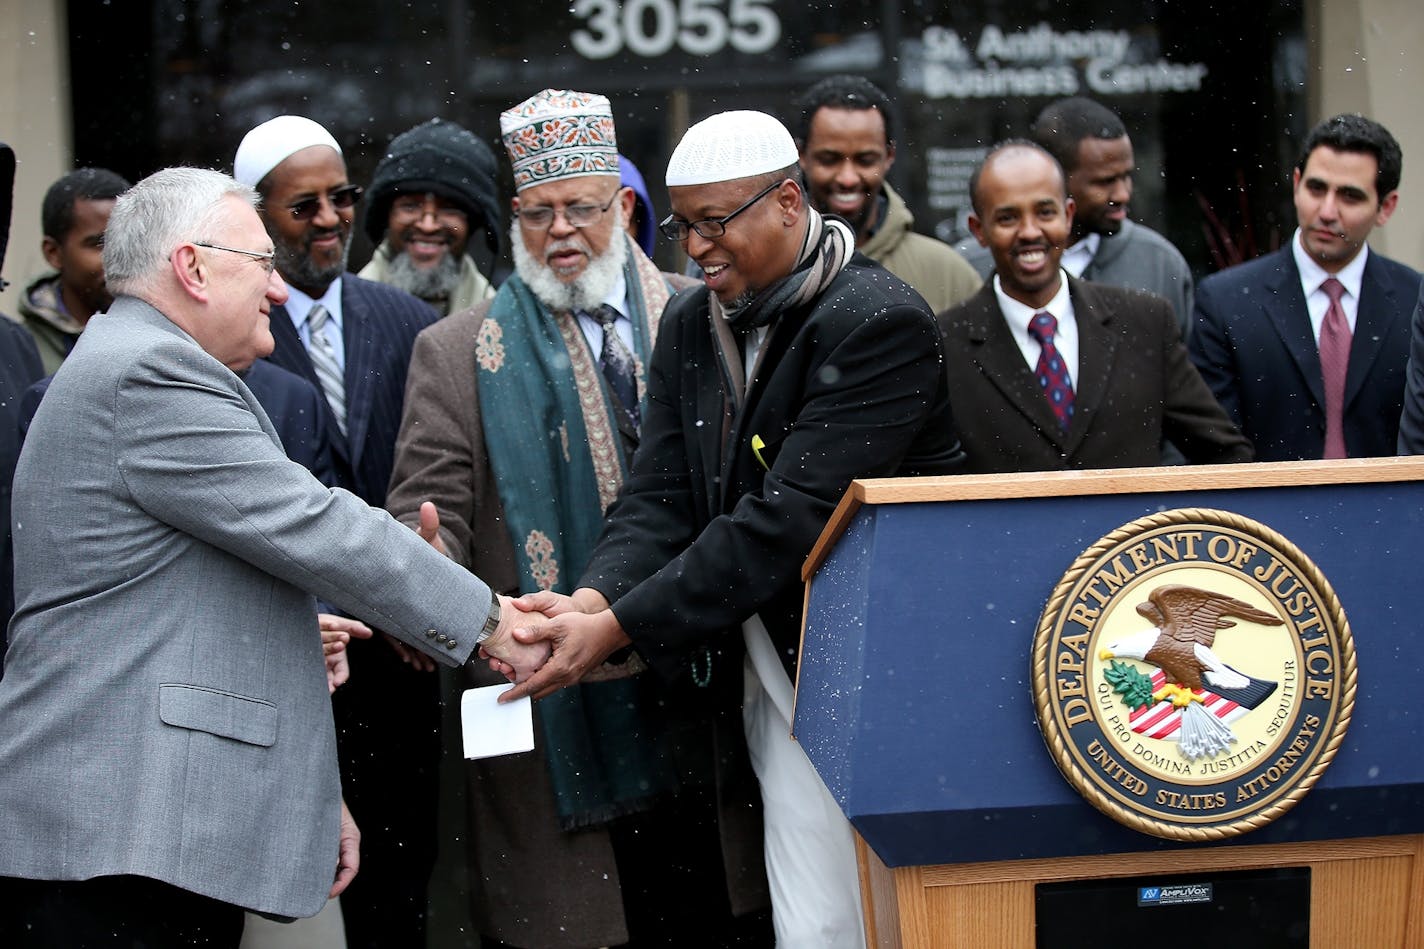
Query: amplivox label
{"points": [[1174, 895]]}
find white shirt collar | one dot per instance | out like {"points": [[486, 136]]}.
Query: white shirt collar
{"points": [[618, 294], [1312, 275], [1077, 258], [1018, 315], [298, 304]]}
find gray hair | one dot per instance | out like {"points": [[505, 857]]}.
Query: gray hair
{"points": [[151, 219]]}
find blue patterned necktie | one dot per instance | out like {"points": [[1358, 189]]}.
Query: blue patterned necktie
{"points": [[617, 363], [1052, 372]]}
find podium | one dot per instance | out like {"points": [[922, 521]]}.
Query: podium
{"points": [[914, 702]]}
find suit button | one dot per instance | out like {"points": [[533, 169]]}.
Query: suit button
{"points": [[451, 644], [440, 638], [430, 634]]}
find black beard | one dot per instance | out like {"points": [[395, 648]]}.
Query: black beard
{"points": [[295, 264]]}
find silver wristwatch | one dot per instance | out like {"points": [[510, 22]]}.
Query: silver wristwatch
{"points": [[492, 620]]}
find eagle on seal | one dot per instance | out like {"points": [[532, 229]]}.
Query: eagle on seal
{"points": [[1185, 623]]}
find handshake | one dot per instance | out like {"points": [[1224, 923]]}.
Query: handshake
{"points": [[546, 641]]}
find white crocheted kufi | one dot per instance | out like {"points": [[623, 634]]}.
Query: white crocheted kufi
{"points": [[273, 142], [728, 146]]}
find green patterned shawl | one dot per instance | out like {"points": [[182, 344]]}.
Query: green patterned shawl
{"points": [[554, 447]]}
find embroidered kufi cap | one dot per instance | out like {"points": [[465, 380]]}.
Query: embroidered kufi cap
{"points": [[273, 142], [560, 134], [728, 146]]}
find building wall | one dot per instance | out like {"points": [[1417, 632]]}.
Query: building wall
{"points": [[1363, 57], [34, 121], [1366, 58]]}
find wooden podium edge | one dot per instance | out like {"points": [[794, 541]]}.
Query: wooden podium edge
{"points": [[1038, 484], [1362, 888]]}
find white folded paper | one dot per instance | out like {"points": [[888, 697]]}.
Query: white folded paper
{"points": [[491, 729]]}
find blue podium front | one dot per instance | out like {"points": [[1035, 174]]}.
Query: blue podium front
{"points": [[914, 697]]}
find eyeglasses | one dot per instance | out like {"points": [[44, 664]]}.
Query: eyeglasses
{"points": [[709, 228], [578, 215], [412, 208], [267, 258], [340, 198]]}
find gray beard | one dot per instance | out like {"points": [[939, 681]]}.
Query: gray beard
{"points": [[432, 284], [584, 293]]}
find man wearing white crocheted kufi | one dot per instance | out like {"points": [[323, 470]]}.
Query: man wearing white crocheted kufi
{"points": [[799, 368]]}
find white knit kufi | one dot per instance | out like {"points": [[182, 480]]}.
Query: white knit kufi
{"points": [[273, 142], [728, 146]]}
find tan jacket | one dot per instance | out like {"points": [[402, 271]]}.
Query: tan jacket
{"points": [[933, 268]]}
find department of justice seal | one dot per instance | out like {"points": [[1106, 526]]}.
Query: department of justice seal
{"points": [[1193, 674]]}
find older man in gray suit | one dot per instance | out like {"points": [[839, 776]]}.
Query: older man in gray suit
{"points": [[168, 754]]}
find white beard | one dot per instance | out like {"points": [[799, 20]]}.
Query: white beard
{"points": [[590, 288]]}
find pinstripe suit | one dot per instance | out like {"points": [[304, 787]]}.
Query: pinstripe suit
{"points": [[379, 325], [388, 715]]}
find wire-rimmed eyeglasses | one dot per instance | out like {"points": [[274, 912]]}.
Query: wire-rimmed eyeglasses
{"points": [[541, 218], [710, 228], [267, 258]]}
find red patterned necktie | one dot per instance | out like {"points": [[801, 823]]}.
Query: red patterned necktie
{"points": [[1334, 361], [1052, 373]]}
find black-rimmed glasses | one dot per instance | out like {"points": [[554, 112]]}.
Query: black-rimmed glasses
{"points": [[710, 228], [578, 215], [341, 198], [267, 258]]}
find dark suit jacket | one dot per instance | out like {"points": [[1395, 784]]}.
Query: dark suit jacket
{"points": [[1135, 384], [388, 714], [379, 325], [703, 537], [1254, 346], [19, 366], [1411, 423]]}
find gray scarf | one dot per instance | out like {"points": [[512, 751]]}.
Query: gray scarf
{"points": [[825, 250]]}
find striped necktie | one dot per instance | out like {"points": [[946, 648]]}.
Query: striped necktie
{"points": [[323, 360]]}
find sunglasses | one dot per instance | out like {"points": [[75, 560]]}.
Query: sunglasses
{"points": [[341, 198]]}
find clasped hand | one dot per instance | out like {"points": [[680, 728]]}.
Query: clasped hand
{"points": [[545, 641], [567, 635]]}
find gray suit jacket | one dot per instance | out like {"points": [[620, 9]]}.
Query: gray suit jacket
{"points": [[165, 704]]}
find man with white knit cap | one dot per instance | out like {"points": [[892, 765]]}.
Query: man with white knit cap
{"points": [[521, 421], [352, 338], [798, 367]]}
